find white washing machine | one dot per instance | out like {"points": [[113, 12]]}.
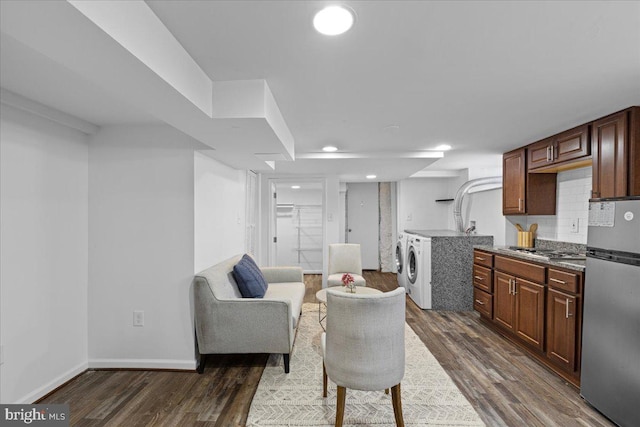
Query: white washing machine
{"points": [[401, 259], [418, 268]]}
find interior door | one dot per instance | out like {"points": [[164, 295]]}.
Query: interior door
{"points": [[363, 221]]}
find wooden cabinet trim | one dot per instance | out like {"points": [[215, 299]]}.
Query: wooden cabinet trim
{"points": [[564, 280], [609, 151], [562, 312], [514, 173], [524, 269], [565, 147], [482, 278], [482, 258], [530, 308], [483, 303]]}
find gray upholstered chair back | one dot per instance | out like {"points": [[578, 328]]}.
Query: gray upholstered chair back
{"points": [[365, 339], [345, 258]]}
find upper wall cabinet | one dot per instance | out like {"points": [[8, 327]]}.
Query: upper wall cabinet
{"points": [[552, 154], [514, 176], [523, 193], [611, 145], [615, 144]]}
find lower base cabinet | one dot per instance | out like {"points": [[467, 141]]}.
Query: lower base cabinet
{"points": [[537, 307], [519, 307], [561, 329]]}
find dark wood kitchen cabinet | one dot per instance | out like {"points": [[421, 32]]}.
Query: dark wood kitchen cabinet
{"points": [[536, 306], [519, 306], [561, 329], [522, 193], [550, 153], [615, 144], [564, 317], [483, 283], [514, 176]]}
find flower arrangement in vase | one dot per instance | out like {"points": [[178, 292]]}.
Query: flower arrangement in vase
{"points": [[349, 282]]}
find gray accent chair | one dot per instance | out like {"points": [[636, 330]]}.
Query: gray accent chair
{"points": [[227, 323], [363, 347], [345, 258]]}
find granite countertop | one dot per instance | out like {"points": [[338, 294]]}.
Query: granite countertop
{"points": [[577, 265], [442, 233]]}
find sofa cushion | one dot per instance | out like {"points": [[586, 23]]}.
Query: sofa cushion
{"points": [[292, 291], [249, 278]]}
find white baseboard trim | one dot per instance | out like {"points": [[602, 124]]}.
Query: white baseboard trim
{"points": [[52, 385], [186, 365]]}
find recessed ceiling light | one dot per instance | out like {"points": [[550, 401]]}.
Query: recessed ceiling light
{"points": [[371, 176], [295, 187], [333, 20], [443, 147], [329, 149]]}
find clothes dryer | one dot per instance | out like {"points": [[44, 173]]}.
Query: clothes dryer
{"points": [[418, 267], [401, 259]]}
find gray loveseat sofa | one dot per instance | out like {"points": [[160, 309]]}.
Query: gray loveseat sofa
{"points": [[225, 322]]}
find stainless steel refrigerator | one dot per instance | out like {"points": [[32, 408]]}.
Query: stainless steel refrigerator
{"points": [[610, 375]]}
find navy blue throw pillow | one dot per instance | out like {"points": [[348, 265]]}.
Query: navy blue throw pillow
{"points": [[249, 278]]}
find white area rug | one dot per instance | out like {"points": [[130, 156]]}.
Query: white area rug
{"points": [[429, 396]]}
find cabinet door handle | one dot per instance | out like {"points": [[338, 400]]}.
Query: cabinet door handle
{"points": [[553, 155], [479, 302], [562, 282], [520, 209], [478, 277], [567, 314], [548, 153], [480, 258], [510, 286], [514, 287]]}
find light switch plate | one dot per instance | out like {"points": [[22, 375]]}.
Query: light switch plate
{"points": [[138, 318]]}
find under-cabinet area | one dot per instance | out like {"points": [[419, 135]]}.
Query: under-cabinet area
{"points": [[538, 306]]}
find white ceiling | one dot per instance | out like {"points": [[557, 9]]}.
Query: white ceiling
{"points": [[484, 77]]}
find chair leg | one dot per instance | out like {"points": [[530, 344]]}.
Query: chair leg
{"points": [[342, 396], [285, 356], [397, 405], [324, 380]]}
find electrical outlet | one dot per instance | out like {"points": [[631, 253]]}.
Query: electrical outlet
{"points": [[575, 225], [138, 318]]}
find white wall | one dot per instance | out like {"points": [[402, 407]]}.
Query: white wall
{"points": [[44, 250], [141, 234], [418, 209], [417, 206], [219, 211]]}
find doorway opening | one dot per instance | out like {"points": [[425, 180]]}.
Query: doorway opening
{"points": [[297, 224]]}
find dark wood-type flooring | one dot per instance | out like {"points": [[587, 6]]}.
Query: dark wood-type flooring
{"points": [[506, 387]]}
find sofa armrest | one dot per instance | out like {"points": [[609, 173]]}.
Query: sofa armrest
{"points": [[282, 274]]}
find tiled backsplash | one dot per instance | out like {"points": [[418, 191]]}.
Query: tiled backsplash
{"points": [[573, 193]]}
